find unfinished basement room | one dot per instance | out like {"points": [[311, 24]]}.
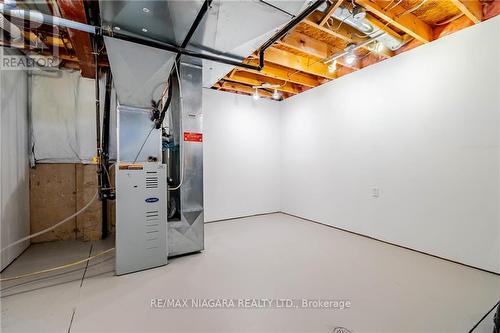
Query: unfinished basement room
{"points": [[259, 166]]}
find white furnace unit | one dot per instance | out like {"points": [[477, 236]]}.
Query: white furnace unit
{"points": [[141, 216]]}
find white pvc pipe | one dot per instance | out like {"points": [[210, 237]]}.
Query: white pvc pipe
{"points": [[37, 17]]}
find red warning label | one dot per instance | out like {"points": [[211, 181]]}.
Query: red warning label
{"points": [[194, 137]]}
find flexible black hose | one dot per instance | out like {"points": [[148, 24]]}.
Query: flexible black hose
{"points": [[159, 121]]}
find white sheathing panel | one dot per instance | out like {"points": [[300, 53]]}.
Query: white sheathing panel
{"points": [[424, 129], [63, 117], [14, 163], [241, 155]]}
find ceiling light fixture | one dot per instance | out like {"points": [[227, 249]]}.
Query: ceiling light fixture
{"points": [[276, 94], [256, 95], [358, 13], [350, 56], [144, 30], [146, 9], [333, 66], [117, 28]]}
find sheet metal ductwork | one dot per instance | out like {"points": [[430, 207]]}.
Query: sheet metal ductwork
{"points": [[344, 15], [232, 29], [169, 21]]}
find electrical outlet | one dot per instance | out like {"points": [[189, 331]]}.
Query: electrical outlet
{"points": [[375, 192]]}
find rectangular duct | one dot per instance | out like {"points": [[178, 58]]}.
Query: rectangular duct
{"points": [[186, 219]]}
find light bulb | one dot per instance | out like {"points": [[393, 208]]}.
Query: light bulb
{"points": [[333, 66], [256, 95], [350, 58], [276, 94]]}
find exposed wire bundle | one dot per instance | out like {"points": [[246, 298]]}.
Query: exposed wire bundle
{"points": [[56, 268], [52, 227]]}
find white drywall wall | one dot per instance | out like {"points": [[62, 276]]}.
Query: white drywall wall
{"points": [[14, 161], [424, 129], [241, 155]]}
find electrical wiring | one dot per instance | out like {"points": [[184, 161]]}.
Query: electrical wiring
{"points": [[340, 24], [390, 3], [395, 5], [411, 10], [142, 146], [52, 227], [56, 268], [106, 171], [450, 19]]}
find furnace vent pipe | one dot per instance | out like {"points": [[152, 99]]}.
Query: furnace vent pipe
{"points": [[37, 17]]}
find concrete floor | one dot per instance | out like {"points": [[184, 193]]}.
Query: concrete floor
{"points": [[273, 257]]}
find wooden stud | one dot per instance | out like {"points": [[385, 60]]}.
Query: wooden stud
{"points": [[74, 10], [398, 17], [471, 8], [297, 62], [233, 86], [303, 43], [344, 32], [333, 7], [253, 79], [282, 73], [455, 25], [310, 46]]}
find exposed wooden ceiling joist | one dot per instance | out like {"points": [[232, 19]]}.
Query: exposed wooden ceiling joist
{"points": [[303, 43], [297, 62], [312, 47], [74, 10], [282, 73], [342, 31], [233, 86], [333, 7], [253, 79], [399, 17], [471, 8]]}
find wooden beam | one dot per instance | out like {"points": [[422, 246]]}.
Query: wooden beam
{"points": [[471, 8], [282, 73], [310, 46], [297, 62], [333, 7], [344, 32], [253, 79], [233, 86], [74, 10], [382, 26], [303, 43], [401, 19], [455, 25]]}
